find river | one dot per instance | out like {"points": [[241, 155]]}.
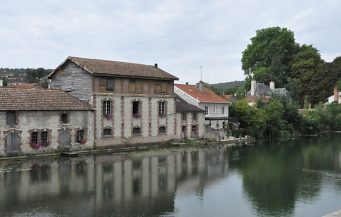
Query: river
{"points": [[297, 178]]}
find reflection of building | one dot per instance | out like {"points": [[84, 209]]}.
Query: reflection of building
{"points": [[133, 103], [107, 184], [37, 121]]}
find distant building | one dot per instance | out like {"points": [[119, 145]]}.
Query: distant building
{"points": [[36, 121], [336, 97], [216, 107], [260, 89], [133, 103], [190, 120]]}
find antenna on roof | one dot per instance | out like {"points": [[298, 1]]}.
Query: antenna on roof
{"points": [[200, 72]]}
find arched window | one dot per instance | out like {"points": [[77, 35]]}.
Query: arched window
{"points": [[107, 110], [107, 132], [137, 108], [162, 108]]}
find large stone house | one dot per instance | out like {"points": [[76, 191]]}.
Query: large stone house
{"points": [[36, 121], [133, 103], [216, 107], [263, 90]]}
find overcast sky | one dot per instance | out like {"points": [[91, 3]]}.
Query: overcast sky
{"points": [[179, 35]]}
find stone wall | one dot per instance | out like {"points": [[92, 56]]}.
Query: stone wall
{"points": [[188, 123], [38, 121], [122, 120]]}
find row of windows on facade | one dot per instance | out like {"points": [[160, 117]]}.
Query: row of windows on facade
{"points": [[136, 110], [11, 118], [42, 138], [134, 86], [215, 110], [136, 131]]}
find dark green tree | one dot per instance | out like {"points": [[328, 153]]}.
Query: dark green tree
{"points": [[269, 55]]}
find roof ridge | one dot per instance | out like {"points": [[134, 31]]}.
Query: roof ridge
{"points": [[86, 58]]}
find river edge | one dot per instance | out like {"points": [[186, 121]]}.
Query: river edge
{"points": [[230, 142]]}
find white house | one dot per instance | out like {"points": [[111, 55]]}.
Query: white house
{"points": [[216, 107], [336, 97]]}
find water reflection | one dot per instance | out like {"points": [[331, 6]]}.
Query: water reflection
{"points": [[142, 184], [276, 180]]}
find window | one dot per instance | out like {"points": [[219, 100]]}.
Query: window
{"points": [[157, 88], [107, 108], [215, 109], [223, 110], [34, 138], [162, 108], [44, 136], [183, 116], [136, 131], [107, 132], [206, 110], [194, 131], [80, 138], [194, 115], [11, 118], [109, 85], [162, 130], [139, 87], [64, 118], [136, 108]]}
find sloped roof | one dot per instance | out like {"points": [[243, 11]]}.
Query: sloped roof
{"points": [[184, 107], [206, 95], [121, 69], [13, 99]]}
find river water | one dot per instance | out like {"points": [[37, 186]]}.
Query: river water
{"points": [[296, 178]]}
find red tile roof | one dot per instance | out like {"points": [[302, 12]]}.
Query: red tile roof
{"points": [[13, 99], [206, 95]]}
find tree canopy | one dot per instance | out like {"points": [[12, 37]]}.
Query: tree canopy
{"points": [[269, 55]]}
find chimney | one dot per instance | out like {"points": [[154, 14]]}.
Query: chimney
{"points": [[253, 87], [1, 83], [272, 85], [155, 65], [200, 85], [336, 95]]}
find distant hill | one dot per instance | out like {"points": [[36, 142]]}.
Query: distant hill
{"points": [[228, 85]]}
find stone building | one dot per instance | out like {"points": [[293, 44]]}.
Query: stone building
{"points": [[133, 103], [190, 120], [35, 121]]}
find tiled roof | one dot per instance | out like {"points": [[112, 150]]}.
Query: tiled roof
{"points": [[254, 99], [124, 69], [206, 95], [13, 99], [184, 107], [230, 98]]}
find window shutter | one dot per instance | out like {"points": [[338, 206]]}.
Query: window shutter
{"points": [[157, 88], [102, 85], [164, 87], [132, 86], [138, 87]]}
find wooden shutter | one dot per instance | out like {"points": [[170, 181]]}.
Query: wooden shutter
{"points": [[139, 87], [164, 87], [132, 86], [102, 85], [157, 88]]}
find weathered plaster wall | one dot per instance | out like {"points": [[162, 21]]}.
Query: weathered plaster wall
{"points": [[74, 80], [189, 122], [45, 120]]}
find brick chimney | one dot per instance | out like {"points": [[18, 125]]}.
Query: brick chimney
{"points": [[336, 95]]}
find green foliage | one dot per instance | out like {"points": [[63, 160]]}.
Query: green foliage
{"points": [[34, 75], [269, 55], [278, 118]]}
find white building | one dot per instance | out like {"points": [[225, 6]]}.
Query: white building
{"points": [[216, 107]]}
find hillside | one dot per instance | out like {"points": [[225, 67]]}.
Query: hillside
{"points": [[228, 85]]}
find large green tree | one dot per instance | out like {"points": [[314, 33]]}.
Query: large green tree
{"points": [[269, 55], [311, 75]]}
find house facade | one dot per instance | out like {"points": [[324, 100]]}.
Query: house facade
{"points": [[262, 90], [190, 120], [133, 103], [216, 107], [37, 121]]}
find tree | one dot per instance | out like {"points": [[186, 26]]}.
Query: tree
{"points": [[269, 55], [34, 75], [311, 75]]}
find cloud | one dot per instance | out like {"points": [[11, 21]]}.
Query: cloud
{"points": [[180, 35]]}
